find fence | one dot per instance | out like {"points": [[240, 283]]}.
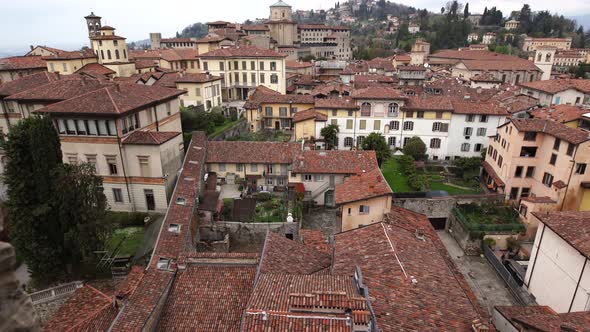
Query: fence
{"points": [[519, 293], [54, 293]]}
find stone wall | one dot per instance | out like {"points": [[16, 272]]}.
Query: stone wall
{"points": [[213, 238], [254, 234], [16, 309], [440, 207], [471, 247]]}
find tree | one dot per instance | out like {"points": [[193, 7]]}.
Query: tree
{"points": [[330, 135], [466, 11], [442, 10], [468, 167], [525, 18], [33, 152], [377, 143], [415, 148], [81, 205]]}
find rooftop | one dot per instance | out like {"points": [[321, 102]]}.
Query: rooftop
{"points": [[572, 226], [561, 113], [242, 52], [309, 114], [558, 85], [197, 78], [27, 82], [22, 63], [66, 88], [84, 53], [285, 256], [555, 129], [364, 185], [252, 152], [334, 162]]}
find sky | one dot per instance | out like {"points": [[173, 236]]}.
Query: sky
{"points": [[60, 23]]}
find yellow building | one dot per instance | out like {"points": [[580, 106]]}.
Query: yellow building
{"points": [[201, 89], [275, 111], [67, 63], [112, 52], [282, 27], [244, 68], [363, 199]]}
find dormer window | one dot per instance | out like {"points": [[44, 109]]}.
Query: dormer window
{"points": [[174, 228], [181, 201], [163, 264]]}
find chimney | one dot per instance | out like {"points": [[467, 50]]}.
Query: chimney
{"points": [[57, 75], [32, 47], [117, 87]]}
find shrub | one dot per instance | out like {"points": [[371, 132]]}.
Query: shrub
{"points": [[489, 242], [263, 197], [126, 219]]}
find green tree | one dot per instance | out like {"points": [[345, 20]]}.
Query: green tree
{"points": [[466, 11], [415, 148], [377, 143], [330, 135], [468, 167], [33, 152]]}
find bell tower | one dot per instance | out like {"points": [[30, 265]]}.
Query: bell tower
{"points": [[93, 24]]}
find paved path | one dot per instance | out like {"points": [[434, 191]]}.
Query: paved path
{"points": [[488, 287], [22, 275]]}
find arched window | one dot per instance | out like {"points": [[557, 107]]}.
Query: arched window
{"points": [[102, 54], [366, 109], [109, 54], [392, 109], [539, 57], [124, 55], [394, 125], [548, 57], [348, 141], [117, 54]]}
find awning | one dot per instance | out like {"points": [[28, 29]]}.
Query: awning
{"points": [[491, 172]]}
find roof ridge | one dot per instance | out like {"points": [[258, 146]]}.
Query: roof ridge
{"points": [[112, 100]]}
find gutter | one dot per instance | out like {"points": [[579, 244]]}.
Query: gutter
{"points": [[573, 161], [132, 201]]}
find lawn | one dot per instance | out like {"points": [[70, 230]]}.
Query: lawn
{"points": [[263, 136], [399, 182], [228, 123], [131, 237], [272, 210]]}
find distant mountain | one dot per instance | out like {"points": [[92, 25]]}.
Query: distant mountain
{"points": [[582, 20]]}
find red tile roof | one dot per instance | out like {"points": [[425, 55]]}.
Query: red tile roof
{"points": [[66, 88], [390, 256], [257, 27], [428, 102], [485, 77], [514, 64], [475, 107], [208, 298], [177, 40], [84, 53], [309, 114], [142, 64], [107, 37], [555, 129], [284, 256], [378, 92], [363, 186], [149, 137], [315, 238], [334, 162], [197, 78], [242, 52], [95, 70], [22, 63], [558, 85], [26, 83], [560, 113], [571, 226], [491, 172], [114, 99], [320, 27], [267, 98], [252, 152], [297, 64], [543, 318], [337, 103]]}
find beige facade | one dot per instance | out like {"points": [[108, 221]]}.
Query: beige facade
{"points": [[532, 44], [67, 66], [207, 94], [281, 25], [365, 212]]}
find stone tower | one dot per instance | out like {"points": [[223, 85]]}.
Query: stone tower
{"points": [[544, 59], [281, 11], [155, 40], [94, 25], [281, 25]]}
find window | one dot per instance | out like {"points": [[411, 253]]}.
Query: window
{"points": [[283, 111], [269, 181], [221, 65], [273, 65], [262, 80], [392, 110], [406, 140], [481, 131], [465, 147], [580, 168], [236, 65], [394, 125], [253, 78], [483, 118], [117, 56], [408, 125], [348, 124], [118, 195], [530, 171], [334, 122], [553, 159], [391, 141], [436, 126], [237, 77], [364, 209], [420, 114], [168, 108], [514, 193], [547, 179], [530, 136], [377, 125], [91, 159], [274, 79], [268, 111], [470, 118], [252, 65], [366, 109], [109, 54], [478, 147], [318, 178], [307, 177], [528, 151], [112, 163], [439, 115], [525, 192], [467, 131], [409, 114], [435, 143], [518, 171], [363, 124], [244, 65], [73, 159], [253, 167], [348, 141], [360, 140], [570, 149], [556, 144], [261, 65], [65, 67], [500, 160], [245, 78], [144, 165]]}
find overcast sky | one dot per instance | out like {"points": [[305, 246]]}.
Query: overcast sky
{"points": [[60, 23]]}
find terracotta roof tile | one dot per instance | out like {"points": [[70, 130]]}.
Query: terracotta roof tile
{"points": [[242, 52], [572, 226], [426, 101], [555, 129], [338, 103], [257, 27], [309, 114], [26, 83], [558, 85], [197, 78], [543, 318], [268, 98], [252, 152], [284, 256], [475, 107], [84, 53], [95, 70], [149, 137], [440, 299], [297, 64], [491, 172], [378, 93], [118, 98], [66, 88], [334, 162], [364, 186], [315, 238], [22, 62]]}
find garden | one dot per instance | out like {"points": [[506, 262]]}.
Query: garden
{"points": [[268, 208], [403, 175], [262, 136], [488, 218]]}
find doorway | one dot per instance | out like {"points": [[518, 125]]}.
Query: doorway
{"points": [[277, 125], [329, 198], [150, 199]]}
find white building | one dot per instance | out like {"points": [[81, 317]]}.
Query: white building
{"points": [[559, 274], [558, 91]]}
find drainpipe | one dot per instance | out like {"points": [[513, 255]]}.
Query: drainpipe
{"points": [[536, 256], [156, 117], [5, 112], [131, 200], [578, 285], [569, 178]]}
